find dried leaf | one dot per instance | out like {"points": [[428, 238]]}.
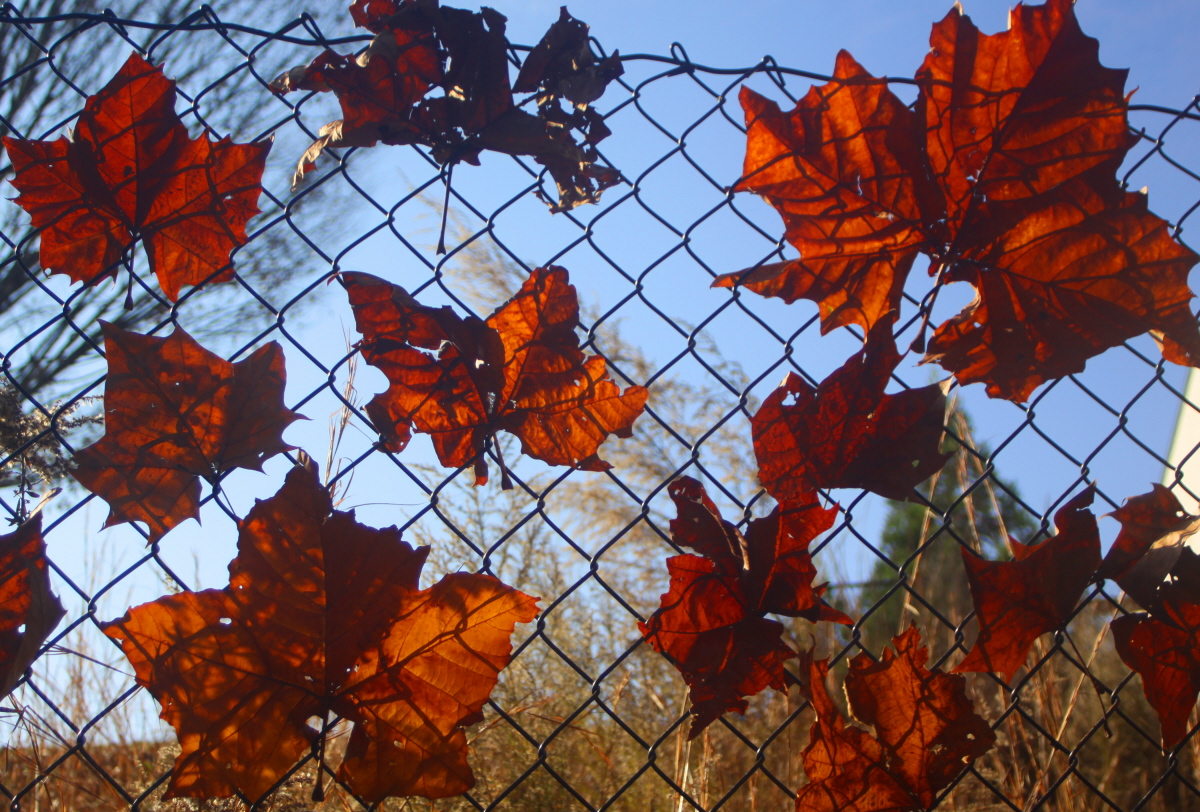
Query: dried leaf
{"points": [[847, 433], [1150, 558], [1069, 280], [562, 65], [175, 412], [924, 720], [131, 171], [323, 616], [1167, 656], [926, 733], [462, 380], [419, 46], [1018, 601], [1004, 175], [29, 611], [711, 622], [844, 169]]}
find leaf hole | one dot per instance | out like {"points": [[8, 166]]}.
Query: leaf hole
{"points": [[225, 621]]}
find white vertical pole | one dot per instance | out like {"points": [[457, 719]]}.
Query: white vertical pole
{"points": [[1184, 443]]}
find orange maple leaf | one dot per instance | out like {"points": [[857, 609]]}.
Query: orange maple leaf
{"points": [[711, 622], [844, 171], [1003, 177], [130, 170], [323, 617], [847, 433], [462, 380], [1018, 601], [29, 611], [173, 413], [926, 733]]}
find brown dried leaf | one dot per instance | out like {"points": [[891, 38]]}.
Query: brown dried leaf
{"points": [[323, 616], [173, 413]]}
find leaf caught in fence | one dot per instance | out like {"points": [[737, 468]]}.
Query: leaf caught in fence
{"points": [[847, 433], [462, 380], [1020, 600], [1151, 559], [1069, 280], [420, 46], [323, 616], [1166, 653], [926, 733], [29, 611], [1005, 178], [173, 413], [130, 171], [711, 622], [843, 169]]}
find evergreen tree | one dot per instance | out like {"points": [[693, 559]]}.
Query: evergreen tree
{"points": [[966, 509]]}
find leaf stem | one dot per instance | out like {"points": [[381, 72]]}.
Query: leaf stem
{"points": [[129, 292], [318, 793], [505, 482], [441, 246], [918, 344]]}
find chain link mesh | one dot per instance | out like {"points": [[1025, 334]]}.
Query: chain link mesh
{"points": [[587, 717]]}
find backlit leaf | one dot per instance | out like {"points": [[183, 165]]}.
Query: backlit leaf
{"points": [[323, 616], [175, 413], [1018, 601], [462, 380], [130, 170], [847, 433], [711, 622], [29, 611]]}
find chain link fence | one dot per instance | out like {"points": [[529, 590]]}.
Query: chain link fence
{"points": [[587, 716]]}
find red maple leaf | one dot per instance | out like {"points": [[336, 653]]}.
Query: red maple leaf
{"points": [[843, 169], [1018, 601], [1004, 177], [847, 433], [462, 380], [131, 171], [1166, 653], [1069, 280], [175, 413], [1151, 559], [926, 733], [711, 622], [323, 617], [1144, 519], [29, 611]]}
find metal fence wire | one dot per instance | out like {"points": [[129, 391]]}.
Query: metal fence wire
{"points": [[587, 716]]}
